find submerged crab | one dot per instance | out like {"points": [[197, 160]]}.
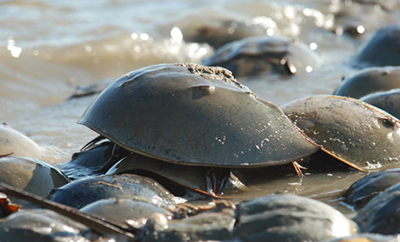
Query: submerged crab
{"points": [[253, 56]]}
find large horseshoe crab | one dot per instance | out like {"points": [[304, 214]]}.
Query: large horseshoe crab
{"points": [[358, 134], [194, 115]]}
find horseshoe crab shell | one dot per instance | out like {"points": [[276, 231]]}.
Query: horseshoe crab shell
{"points": [[195, 115], [378, 51], [31, 175], [82, 192], [370, 80], [43, 225], [191, 177], [356, 133], [120, 209], [262, 54], [368, 187], [18, 144], [216, 28]]}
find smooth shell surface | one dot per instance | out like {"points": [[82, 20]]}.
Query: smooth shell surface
{"points": [[388, 101], [31, 175], [82, 192], [379, 51], [42, 225], [16, 143], [256, 55], [195, 115], [381, 214], [285, 217], [358, 134], [369, 81], [123, 209], [370, 186]]}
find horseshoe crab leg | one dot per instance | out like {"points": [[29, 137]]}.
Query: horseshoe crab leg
{"points": [[215, 185], [117, 154], [298, 168], [92, 142]]}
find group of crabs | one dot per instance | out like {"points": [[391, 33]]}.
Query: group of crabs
{"points": [[198, 127]]}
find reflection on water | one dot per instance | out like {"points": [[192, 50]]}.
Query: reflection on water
{"points": [[51, 47]]}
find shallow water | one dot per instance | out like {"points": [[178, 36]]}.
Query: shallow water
{"points": [[51, 47]]}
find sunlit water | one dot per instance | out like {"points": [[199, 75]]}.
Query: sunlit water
{"points": [[49, 48]]}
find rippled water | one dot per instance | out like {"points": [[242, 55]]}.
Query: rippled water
{"points": [[49, 48]]}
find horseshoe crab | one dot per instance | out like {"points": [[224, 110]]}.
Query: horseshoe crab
{"points": [[195, 115], [280, 217], [216, 224], [358, 134], [31, 174], [92, 159], [370, 80], [362, 191], [381, 214], [82, 192], [16, 143], [263, 54], [38, 225], [124, 209], [217, 29], [194, 178], [379, 50], [108, 158], [286, 217]]}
